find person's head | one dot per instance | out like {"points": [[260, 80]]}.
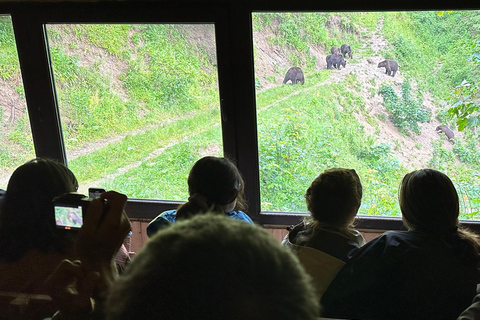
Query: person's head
{"points": [[214, 184], [428, 200], [334, 197], [26, 217], [213, 267]]}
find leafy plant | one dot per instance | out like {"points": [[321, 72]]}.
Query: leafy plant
{"points": [[406, 112], [379, 157]]}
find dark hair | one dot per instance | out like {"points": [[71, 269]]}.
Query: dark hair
{"points": [[212, 183], [26, 217], [334, 197], [213, 267], [428, 200], [429, 203]]}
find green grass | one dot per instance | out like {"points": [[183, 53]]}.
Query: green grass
{"points": [[135, 148], [165, 176], [168, 84], [303, 135]]}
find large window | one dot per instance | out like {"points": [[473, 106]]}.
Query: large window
{"points": [[139, 104], [357, 116], [16, 145]]}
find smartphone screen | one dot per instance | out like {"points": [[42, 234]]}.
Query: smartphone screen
{"points": [[68, 216], [94, 193]]}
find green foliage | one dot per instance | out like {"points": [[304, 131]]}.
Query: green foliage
{"points": [[163, 103], [111, 37], [166, 76], [161, 178], [379, 157], [432, 48], [297, 32], [9, 65], [406, 112], [465, 108], [467, 153], [442, 159], [258, 85]]}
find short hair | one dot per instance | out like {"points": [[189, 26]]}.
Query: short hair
{"points": [[428, 200], [335, 196], [213, 267], [26, 216]]}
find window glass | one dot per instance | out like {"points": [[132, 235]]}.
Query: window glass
{"points": [[16, 144], [139, 104], [376, 118]]}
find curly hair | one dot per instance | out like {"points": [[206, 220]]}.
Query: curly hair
{"points": [[334, 197]]}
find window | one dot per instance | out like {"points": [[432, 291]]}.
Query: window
{"points": [[258, 113], [357, 116], [16, 145], [139, 104]]}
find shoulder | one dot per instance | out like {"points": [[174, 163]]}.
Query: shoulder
{"points": [[239, 215], [390, 242], [356, 236], [170, 215], [161, 221]]}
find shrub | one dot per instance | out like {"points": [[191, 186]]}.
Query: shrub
{"points": [[406, 112]]}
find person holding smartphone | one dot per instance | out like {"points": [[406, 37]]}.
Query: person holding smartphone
{"points": [[31, 246]]}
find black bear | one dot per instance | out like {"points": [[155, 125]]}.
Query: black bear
{"points": [[447, 131], [295, 75], [335, 50], [391, 67], [335, 61], [346, 50]]}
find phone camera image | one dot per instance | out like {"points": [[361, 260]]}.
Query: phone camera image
{"points": [[69, 210], [68, 217]]}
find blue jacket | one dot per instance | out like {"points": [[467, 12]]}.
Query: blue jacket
{"points": [[168, 217]]}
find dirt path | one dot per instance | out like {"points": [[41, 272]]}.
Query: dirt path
{"points": [[151, 155]]}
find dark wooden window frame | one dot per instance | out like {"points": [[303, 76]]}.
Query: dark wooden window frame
{"points": [[232, 19]]}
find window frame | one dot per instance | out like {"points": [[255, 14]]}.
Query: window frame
{"points": [[236, 77]]}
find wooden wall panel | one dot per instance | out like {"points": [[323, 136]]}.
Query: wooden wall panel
{"points": [[139, 234]]}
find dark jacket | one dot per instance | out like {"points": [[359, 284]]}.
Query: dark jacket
{"points": [[405, 275]]}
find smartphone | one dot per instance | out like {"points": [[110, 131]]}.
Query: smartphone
{"points": [[69, 210], [94, 193]]}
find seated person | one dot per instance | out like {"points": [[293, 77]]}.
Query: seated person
{"points": [[326, 240], [473, 311], [430, 271], [214, 185], [30, 244], [207, 267], [74, 285]]}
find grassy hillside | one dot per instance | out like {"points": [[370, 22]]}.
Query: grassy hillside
{"points": [[148, 93]]}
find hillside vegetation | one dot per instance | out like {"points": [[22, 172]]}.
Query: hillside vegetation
{"points": [[148, 93]]}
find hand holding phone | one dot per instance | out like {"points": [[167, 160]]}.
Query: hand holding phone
{"points": [[94, 193]]}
